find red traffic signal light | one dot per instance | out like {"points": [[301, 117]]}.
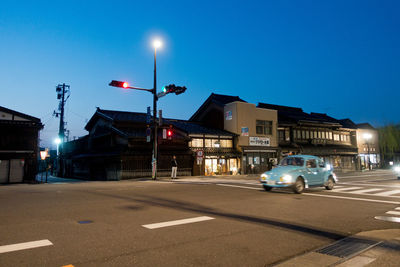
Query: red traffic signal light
{"points": [[169, 133], [119, 84]]}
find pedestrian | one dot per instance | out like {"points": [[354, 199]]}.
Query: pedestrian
{"points": [[174, 165]]}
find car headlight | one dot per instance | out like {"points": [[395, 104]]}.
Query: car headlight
{"points": [[286, 178], [397, 169], [264, 176]]}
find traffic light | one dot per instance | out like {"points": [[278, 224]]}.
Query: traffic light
{"points": [[170, 133], [172, 88], [119, 84]]}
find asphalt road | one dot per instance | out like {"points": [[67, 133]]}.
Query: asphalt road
{"points": [[238, 223]]}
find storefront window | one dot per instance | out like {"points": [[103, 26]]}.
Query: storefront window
{"points": [[196, 142], [226, 143]]}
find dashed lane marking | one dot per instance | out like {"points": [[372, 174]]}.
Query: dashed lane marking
{"points": [[177, 222], [26, 245]]}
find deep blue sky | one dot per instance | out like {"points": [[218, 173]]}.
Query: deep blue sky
{"points": [[335, 57]]}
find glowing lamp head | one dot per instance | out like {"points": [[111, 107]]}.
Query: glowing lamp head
{"points": [[367, 136], [169, 133], [57, 141], [157, 43], [125, 85]]}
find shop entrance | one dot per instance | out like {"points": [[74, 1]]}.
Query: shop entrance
{"points": [[220, 166]]}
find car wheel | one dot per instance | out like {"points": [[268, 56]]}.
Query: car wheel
{"points": [[298, 186], [330, 184], [267, 188]]}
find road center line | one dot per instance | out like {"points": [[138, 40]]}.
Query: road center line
{"points": [[246, 187], [177, 222], [26, 245]]}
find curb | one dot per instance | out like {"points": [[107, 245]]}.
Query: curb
{"points": [[381, 248]]}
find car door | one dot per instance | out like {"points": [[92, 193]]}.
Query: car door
{"points": [[312, 172]]}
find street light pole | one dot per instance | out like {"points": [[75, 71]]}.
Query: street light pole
{"points": [[155, 113], [369, 157]]}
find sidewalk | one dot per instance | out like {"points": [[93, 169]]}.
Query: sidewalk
{"points": [[372, 248]]}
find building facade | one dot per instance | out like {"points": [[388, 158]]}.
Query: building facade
{"points": [[315, 134], [368, 146], [256, 130], [19, 146]]}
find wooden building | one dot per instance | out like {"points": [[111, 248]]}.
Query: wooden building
{"points": [[117, 147], [19, 145]]}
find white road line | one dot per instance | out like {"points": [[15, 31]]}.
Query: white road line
{"points": [[353, 198], [26, 245], [398, 208], [362, 191], [388, 219], [370, 175], [388, 193], [374, 185], [346, 189], [393, 212], [328, 196], [177, 222], [246, 187]]}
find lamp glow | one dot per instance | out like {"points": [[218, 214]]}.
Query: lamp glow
{"points": [[367, 136], [157, 43], [57, 141]]}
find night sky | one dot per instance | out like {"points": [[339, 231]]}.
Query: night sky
{"points": [[335, 57]]}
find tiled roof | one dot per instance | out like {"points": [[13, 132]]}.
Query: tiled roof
{"points": [[347, 123], [295, 115], [186, 126], [219, 100], [365, 125]]}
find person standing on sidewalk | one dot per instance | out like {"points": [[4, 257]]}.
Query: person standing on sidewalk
{"points": [[174, 165]]}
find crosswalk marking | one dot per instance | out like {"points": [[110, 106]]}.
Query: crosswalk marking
{"points": [[388, 193], [398, 208], [393, 212], [362, 191], [346, 189]]}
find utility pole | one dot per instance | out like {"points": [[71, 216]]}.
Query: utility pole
{"points": [[63, 93]]}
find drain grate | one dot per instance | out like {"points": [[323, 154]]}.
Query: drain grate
{"points": [[348, 247]]}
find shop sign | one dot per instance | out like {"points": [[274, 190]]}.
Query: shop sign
{"points": [[259, 141], [199, 156], [228, 115], [245, 131]]}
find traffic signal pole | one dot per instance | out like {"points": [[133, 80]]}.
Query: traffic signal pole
{"points": [[155, 115], [169, 89]]}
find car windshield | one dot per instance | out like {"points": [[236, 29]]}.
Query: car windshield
{"points": [[292, 162]]}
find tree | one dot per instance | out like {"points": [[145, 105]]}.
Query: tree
{"points": [[389, 141]]}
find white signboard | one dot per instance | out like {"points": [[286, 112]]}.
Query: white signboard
{"points": [[228, 115], [259, 141]]}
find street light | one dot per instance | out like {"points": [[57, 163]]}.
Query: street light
{"points": [[367, 137], [178, 90]]}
